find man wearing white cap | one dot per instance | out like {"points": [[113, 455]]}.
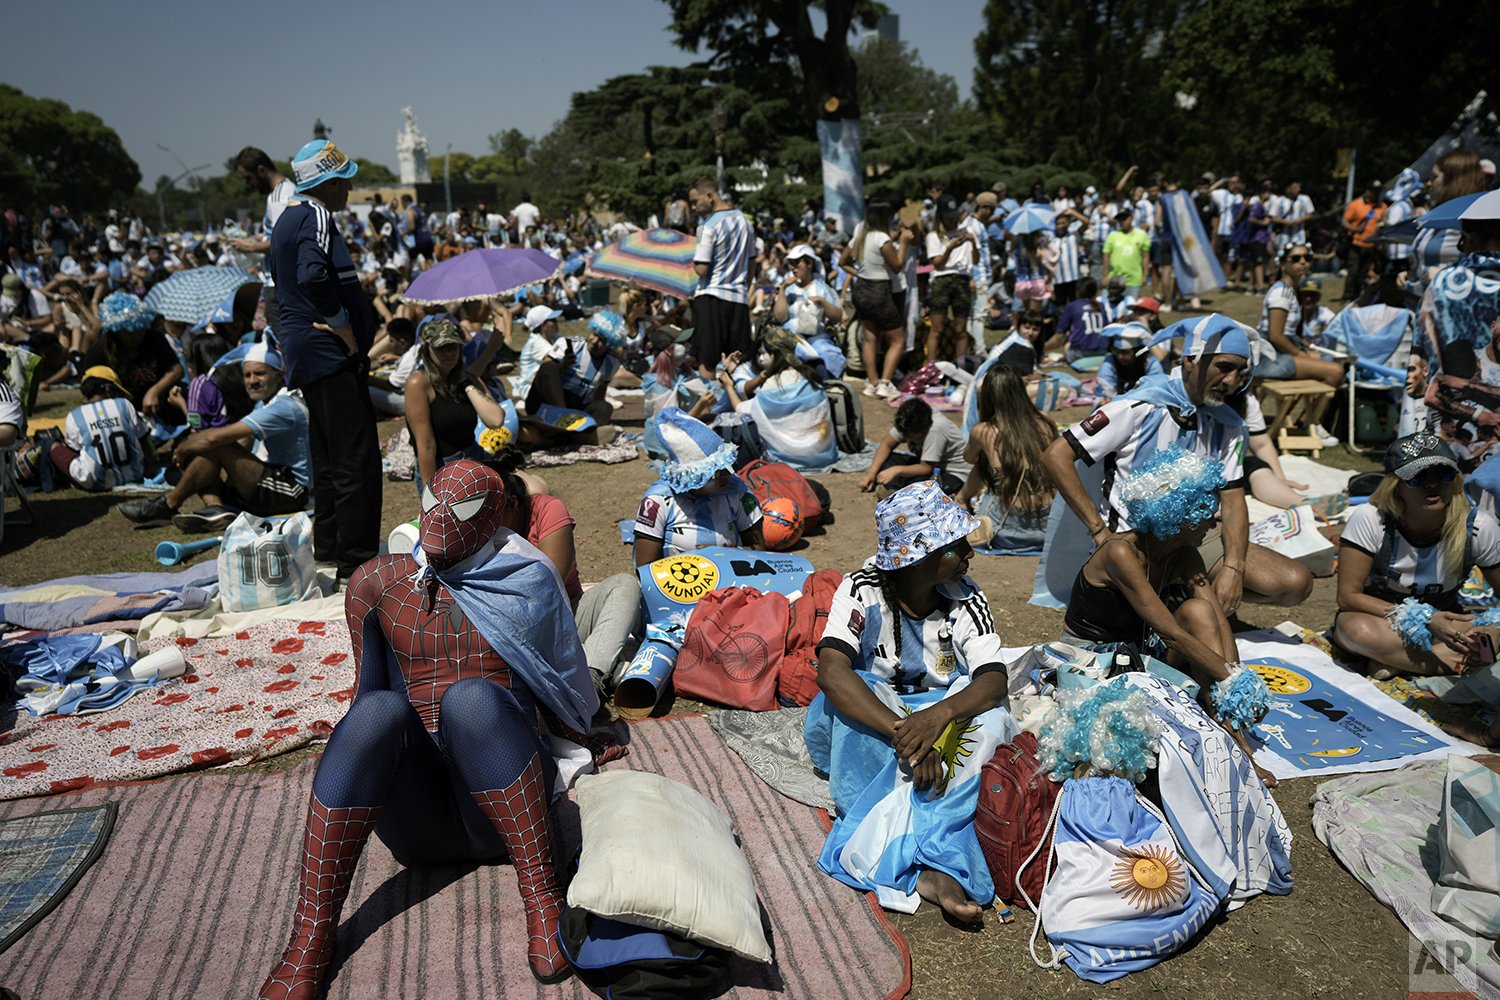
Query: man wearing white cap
{"points": [[259, 464], [326, 333], [541, 324], [1188, 408]]}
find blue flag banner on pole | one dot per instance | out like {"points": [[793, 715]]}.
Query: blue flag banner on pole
{"points": [[843, 176], [1198, 269]]}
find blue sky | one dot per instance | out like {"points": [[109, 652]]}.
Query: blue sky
{"points": [[204, 79]]}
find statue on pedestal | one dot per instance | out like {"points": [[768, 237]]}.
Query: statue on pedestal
{"points": [[411, 151]]}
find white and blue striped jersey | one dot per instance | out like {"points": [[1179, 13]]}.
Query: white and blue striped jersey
{"points": [[582, 379], [107, 435], [1228, 205], [11, 411], [1420, 570], [982, 265], [957, 639], [726, 242], [276, 202], [1398, 212], [683, 522], [1068, 266], [1124, 432], [1117, 312]]}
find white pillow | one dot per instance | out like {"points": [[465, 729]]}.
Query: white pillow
{"points": [[658, 854]]}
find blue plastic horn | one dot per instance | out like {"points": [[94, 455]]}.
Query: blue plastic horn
{"points": [[172, 553]]}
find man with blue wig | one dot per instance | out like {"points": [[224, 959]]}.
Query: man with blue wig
{"points": [[1188, 408]]}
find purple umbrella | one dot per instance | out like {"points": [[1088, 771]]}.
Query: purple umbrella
{"points": [[481, 274]]}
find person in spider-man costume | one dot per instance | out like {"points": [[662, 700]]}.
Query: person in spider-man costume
{"points": [[440, 754]]}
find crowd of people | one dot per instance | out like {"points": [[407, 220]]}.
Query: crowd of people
{"points": [[271, 406]]}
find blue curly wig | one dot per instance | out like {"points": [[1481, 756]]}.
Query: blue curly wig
{"points": [[1110, 727], [610, 326], [1170, 491], [1241, 699], [124, 311]]}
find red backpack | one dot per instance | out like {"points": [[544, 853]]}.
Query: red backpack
{"points": [[1015, 805], [732, 652], [768, 480], [798, 684]]}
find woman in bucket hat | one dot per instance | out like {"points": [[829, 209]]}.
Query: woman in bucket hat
{"points": [[698, 501], [913, 687]]}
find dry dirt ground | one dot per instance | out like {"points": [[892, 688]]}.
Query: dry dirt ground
{"points": [[1328, 938]]}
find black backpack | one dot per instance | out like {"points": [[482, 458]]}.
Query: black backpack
{"points": [[848, 416]]}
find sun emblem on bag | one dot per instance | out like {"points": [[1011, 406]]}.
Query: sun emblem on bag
{"points": [[1148, 877]]}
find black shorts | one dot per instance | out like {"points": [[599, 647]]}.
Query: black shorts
{"points": [[1253, 252], [875, 307], [719, 327], [1161, 252], [951, 293], [277, 491]]}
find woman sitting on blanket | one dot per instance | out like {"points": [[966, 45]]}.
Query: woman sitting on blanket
{"points": [[789, 405], [1404, 556], [1148, 589], [911, 707], [698, 501], [444, 753], [444, 401], [1006, 448]]}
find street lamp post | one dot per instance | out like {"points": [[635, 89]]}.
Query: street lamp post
{"points": [[161, 200], [186, 171], [448, 188]]}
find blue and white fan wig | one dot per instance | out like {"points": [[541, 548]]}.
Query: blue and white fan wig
{"points": [[1109, 727], [1172, 490], [124, 311]]}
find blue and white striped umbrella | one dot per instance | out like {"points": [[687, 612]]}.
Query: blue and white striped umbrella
{"points": [[1031, 219], [191, 296]]}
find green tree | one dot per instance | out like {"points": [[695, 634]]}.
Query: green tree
{"points": [[739, 34], [1078, 82], [373, 173], [462, 164], [513, 146], [49, 152]]}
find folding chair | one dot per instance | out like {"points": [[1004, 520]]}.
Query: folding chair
{"points": [[10, 482], [1378, 338]]}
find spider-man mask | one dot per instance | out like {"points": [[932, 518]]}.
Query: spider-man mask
{"points": [[462, 510]]}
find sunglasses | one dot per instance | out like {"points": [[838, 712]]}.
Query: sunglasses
{"points": [[1294, 258], [1431, 477]]}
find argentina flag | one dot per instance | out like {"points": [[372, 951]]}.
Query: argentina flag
{"points": [[892, 832], [1370, 333], [1198, 269], [795, 424], [1229, 826], [1122, 896], [843, 180]]}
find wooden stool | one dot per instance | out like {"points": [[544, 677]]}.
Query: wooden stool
{"points": [[1298, 402]]}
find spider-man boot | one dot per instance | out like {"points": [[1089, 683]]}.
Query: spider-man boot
{"points": [[334, 840], [519, 813]]}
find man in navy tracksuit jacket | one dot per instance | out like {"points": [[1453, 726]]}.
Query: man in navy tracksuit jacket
{"points": [[325, 337]]}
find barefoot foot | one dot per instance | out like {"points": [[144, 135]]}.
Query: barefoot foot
{"points": [[943, 890]]}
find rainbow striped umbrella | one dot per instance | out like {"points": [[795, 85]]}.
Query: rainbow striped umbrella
{"points": [[661, 259]]}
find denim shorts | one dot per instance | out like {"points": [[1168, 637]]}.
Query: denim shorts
{"points": [[1281, 366]]}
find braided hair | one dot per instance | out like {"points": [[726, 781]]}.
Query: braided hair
{"points": [[889, 596]]}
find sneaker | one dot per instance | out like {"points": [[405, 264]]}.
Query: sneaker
{"points": [[1197, 303], [1320, 432], [872, 388], [886, 390], [148, 513], [1166, 307], [214, 518]]}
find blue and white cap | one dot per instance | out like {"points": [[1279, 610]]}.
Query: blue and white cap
{"points": [[264, 354], [695, 454], [1127, 336], [1211, 334], [319, 160]]}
